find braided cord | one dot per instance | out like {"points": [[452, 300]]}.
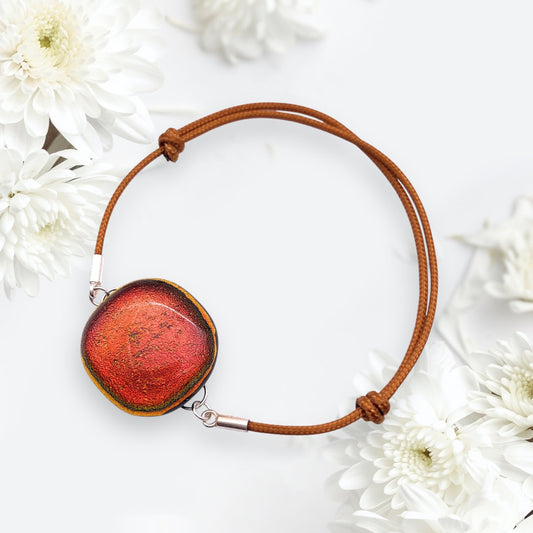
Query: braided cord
{"points": [[374, 405]]}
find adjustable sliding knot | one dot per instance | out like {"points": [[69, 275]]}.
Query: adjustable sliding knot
{"points": [[171, 144], [373, 406]]}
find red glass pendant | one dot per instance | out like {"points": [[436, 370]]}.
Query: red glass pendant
{"points": [[149, 346]]}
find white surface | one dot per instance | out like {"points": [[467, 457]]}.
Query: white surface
{"points": [[296, 246]]}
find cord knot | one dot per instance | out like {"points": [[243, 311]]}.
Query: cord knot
{"points": [[172, 144], [374, 407]]}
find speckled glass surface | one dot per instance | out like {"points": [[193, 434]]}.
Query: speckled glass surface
{"points": [[149, 346]]}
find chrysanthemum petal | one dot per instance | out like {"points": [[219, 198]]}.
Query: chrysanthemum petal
{"points": [[372, 497], [521, 456], [43, 100], [419, 499], [16, 137], [140, 76], [66, 118], [10, 163], [34, 164], [112, 102], [36, 123], [19, 203], [137, 127], [358, 476], [88, 141], [10, 116]]}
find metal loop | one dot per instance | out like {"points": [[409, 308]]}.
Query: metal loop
{"points": [[93, 293], [203, 412], [202, 401], [210, 418], [196, 409]]}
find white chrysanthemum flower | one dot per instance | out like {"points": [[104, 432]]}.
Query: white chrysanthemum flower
{"points": [[501, 268], [507, 377], [78, 64], [246, 28], [497, 510], [510, 246], [427, 439], [49, 212]]}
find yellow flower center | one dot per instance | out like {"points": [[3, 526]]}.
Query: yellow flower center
{"points": [[413, 458], [526, 386], [47, 230], [423, 457], [519, 390], [53, 31], [50, 40]]}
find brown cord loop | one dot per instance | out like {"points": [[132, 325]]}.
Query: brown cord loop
{"points": [[374, 406], [172, 144]]}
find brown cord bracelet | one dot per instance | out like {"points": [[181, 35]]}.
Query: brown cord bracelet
{"points": [[150, 346]]}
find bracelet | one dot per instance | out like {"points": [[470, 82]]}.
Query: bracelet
{"points": [[150, 346]]}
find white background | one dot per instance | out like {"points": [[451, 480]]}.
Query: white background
{"points": [[297, 247]]}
